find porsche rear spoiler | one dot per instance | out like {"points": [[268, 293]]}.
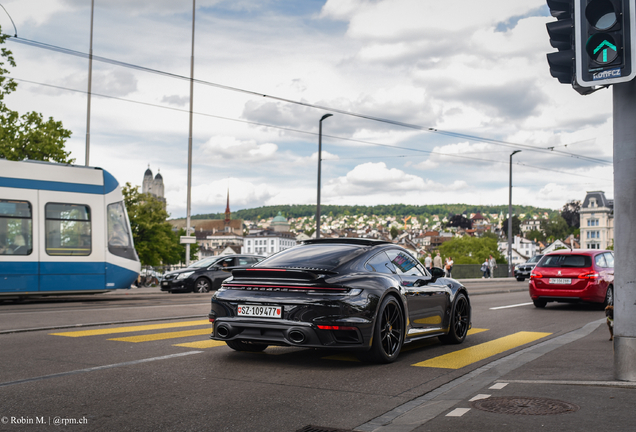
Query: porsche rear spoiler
{"points": [[279, 273]]}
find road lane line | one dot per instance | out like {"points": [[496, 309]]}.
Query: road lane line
{"points": [[479, 397], [97, 368], [498, 386], [466, 356], [202, 344], [458, 412], [511, 306], [130, 329], [162, 336]]}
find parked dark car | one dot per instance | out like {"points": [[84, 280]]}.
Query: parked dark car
{"points": [[360, 295], [522, 271], [573, 276], [207, 274]]}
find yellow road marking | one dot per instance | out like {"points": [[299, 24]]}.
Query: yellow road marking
{"points": [[82, 333], [405, 348], [202, 344], [464, 357], [162, 336], [473, 331]]}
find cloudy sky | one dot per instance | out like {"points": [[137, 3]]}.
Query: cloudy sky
{"points": [[469, 77]]}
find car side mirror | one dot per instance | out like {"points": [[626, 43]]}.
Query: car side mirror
{"points": [[437, 273]]}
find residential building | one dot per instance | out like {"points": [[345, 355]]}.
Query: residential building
{"points": [[522, 249], [267, 242], [597, 221]]}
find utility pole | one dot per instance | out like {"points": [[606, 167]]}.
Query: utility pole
{"points": [[90, 82], [189, 193], [624, 232]]}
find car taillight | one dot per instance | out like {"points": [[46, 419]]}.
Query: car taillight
{"points": [[328, 327], [535, 275], [590, 275]]}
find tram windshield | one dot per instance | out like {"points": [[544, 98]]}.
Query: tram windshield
{"points": [[119, 239]]}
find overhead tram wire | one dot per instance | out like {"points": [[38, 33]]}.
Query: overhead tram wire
{"points": [[301, 131], [308, 105]]}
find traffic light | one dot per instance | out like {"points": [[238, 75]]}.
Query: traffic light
{"points": [[603, 39], [562, 38]]}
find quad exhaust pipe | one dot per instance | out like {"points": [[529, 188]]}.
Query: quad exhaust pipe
{"points": [[296, 336], [222, 331]]}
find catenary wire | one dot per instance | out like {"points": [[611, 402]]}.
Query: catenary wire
{"points": [[303, 132], [308, 105]]}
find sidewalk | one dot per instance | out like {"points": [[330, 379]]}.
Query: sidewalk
{"points": [[565, 384]]}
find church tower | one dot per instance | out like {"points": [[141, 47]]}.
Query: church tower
{"points": [[227, 209]]}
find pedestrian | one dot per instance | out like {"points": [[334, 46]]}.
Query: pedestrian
{"points": [[492, 265], [485, 270], [428, 262], [437, 261], [449, 267]]}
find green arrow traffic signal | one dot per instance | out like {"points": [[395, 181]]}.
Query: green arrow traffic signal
{"points": [[607, 44]]}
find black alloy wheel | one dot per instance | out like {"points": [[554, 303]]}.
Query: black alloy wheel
{"points": [[389, 333], [238, 345], [202, 285], [460, 321]]}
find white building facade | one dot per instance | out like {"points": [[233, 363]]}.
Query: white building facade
{"points": [[267, 242], [597, 221]]}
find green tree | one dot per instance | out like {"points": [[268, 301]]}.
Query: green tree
{"points": [[27, 136], [555, 228], [516, 226], [394, 232], [471, 250], [154, 239]]}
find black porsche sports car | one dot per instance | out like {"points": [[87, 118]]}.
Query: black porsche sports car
{"points": [[362, 295]]}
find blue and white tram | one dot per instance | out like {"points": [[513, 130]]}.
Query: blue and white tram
{"points": [[63, 230]]}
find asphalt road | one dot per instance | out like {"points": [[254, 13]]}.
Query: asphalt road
{"points": [[130, 377]]}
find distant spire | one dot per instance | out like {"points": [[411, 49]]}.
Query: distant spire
{"points": [[227, 207]]}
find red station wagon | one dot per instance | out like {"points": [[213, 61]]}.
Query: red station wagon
{"points": [[572, 276]]}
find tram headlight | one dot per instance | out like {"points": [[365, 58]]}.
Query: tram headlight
{"points": [[184, 275]]}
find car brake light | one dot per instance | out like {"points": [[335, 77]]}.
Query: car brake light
{"points": [[534, 275], [590, 275], [327, 327], [211, 320]]}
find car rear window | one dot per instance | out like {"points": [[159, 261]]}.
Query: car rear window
{"points": [[576, 261], [313, 256]]}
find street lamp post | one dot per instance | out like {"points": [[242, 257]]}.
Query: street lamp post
{"points": [[510, 217], [319, 163]]}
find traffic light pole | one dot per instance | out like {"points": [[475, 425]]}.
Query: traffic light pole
{"points": [[625, 231]]}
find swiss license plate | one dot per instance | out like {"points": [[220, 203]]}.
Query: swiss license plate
{"points": [[165, 283], [560, 281], [260, 311]]}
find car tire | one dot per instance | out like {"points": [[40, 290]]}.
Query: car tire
{"points": [[609, 297], [238, 345], [201, 285], [388, 336], [520, 279], [539, 303], [459, 323]]}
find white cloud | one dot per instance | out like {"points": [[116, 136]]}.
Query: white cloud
{"points": [[230, 148]]}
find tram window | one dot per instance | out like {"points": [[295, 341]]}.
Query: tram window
{"points": [[16, 228], [119, 241], [68, 229]]}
